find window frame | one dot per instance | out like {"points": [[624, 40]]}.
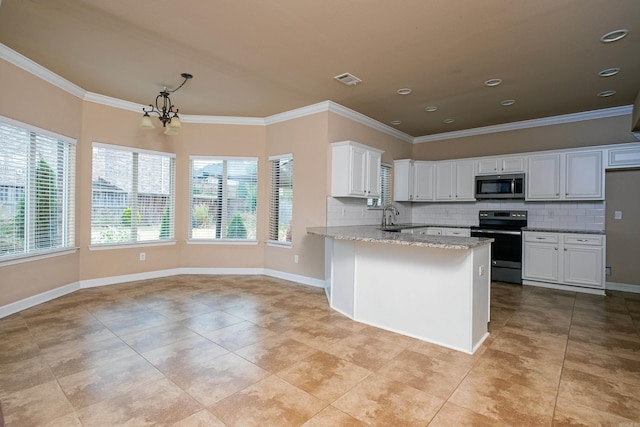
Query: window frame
{"points": [[65, 178], [224, 191], [378, 203], [171, 204], [275, 202]]}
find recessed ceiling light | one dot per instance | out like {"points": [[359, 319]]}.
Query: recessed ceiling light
{"points": [[448, 121], [493, 82], [396, 122], [609, 72], [614, 36], [606, 93], [507, 102], [404, 91], [431, 109]]}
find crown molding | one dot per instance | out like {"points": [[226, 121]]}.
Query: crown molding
{"points": [[223, 120], [38, 70], [546, 121], [368, 121], [113, 102]]}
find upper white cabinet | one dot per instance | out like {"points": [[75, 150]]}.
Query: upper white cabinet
{"points": [[423, 177], [499, 165], [355, 170], [455, 181], [566, 176], [412, 180], [625, 157]]}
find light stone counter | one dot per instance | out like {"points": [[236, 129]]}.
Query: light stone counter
{"points": [[370, 233]]}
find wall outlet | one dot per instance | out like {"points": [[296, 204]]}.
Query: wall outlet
{"points": [[617, 215], [607, 271], [481, 271], [295, 259], [143, 256]]}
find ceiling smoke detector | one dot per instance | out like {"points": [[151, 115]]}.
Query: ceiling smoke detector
{"points": [[348, 79]]}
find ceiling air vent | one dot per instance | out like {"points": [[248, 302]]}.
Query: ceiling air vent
{"points": [[348, 79]]}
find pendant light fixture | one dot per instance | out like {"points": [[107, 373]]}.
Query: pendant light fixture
{"points": [[164, 108]]}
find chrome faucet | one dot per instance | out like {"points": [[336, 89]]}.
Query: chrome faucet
{"points": [[394, 212]]}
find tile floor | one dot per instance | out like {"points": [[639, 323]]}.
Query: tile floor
{"points": [[258, 351]]}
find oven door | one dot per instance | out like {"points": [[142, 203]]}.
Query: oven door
{"points": [[506, 250]]}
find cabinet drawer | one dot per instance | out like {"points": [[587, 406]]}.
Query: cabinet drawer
{"points": [[541, 237], [581, 239]]}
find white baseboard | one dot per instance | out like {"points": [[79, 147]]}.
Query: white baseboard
{"points": [[23, 304], [15, 307], [593, 291], [624, 287]]}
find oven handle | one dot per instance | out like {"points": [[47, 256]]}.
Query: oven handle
{"points": [[514, 233]]}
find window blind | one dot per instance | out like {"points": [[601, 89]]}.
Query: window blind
{"points": [[385, 188], [37, 191], [133, 195], [223, 198], [281, 200]]}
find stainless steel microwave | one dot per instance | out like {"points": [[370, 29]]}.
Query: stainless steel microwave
{"points": [[500, 186]]}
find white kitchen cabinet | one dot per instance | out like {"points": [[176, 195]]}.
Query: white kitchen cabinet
{"points": [[455, 181], [626, 157], [541, 257], [412, 181], [499, 165], [403, 180], [355, 170], [566, 176], [423, 176], [569, 259]]}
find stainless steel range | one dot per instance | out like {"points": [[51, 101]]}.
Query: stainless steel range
{"points": [[505, 227]]}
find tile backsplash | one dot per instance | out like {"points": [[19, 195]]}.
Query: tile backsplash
{"points": [[557, 215]]}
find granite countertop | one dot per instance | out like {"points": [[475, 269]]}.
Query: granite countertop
{"points": [[558, 230], [370, 233]]}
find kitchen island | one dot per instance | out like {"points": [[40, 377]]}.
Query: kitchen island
{"points": [[433, 288]]}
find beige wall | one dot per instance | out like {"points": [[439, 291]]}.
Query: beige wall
{"points": [[612, 130], [623, 236], [306, 139], [30, 100]]}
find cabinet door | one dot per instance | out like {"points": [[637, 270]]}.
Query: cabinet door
{"points": [[543, 179], [423, 181], [372, 170], [403, 179], [488, 166], [465, 180], [512, 165], [444, 180], [583, 266], [357, 175], [584, 176], [540, 262]]}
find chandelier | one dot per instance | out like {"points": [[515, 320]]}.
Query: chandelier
{"points": [[165, 110]]}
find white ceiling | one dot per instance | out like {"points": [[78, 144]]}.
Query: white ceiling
{"points": [[256, 58]]}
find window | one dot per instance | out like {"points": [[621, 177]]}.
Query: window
{"points": [[385, 189], [132, 195], [37, 190], [281, 203], [223, 198]]}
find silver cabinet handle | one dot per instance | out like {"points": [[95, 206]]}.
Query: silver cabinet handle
{"points": [[583, 240]]}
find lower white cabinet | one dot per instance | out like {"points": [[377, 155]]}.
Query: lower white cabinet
{"points": [[564, 258]]}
